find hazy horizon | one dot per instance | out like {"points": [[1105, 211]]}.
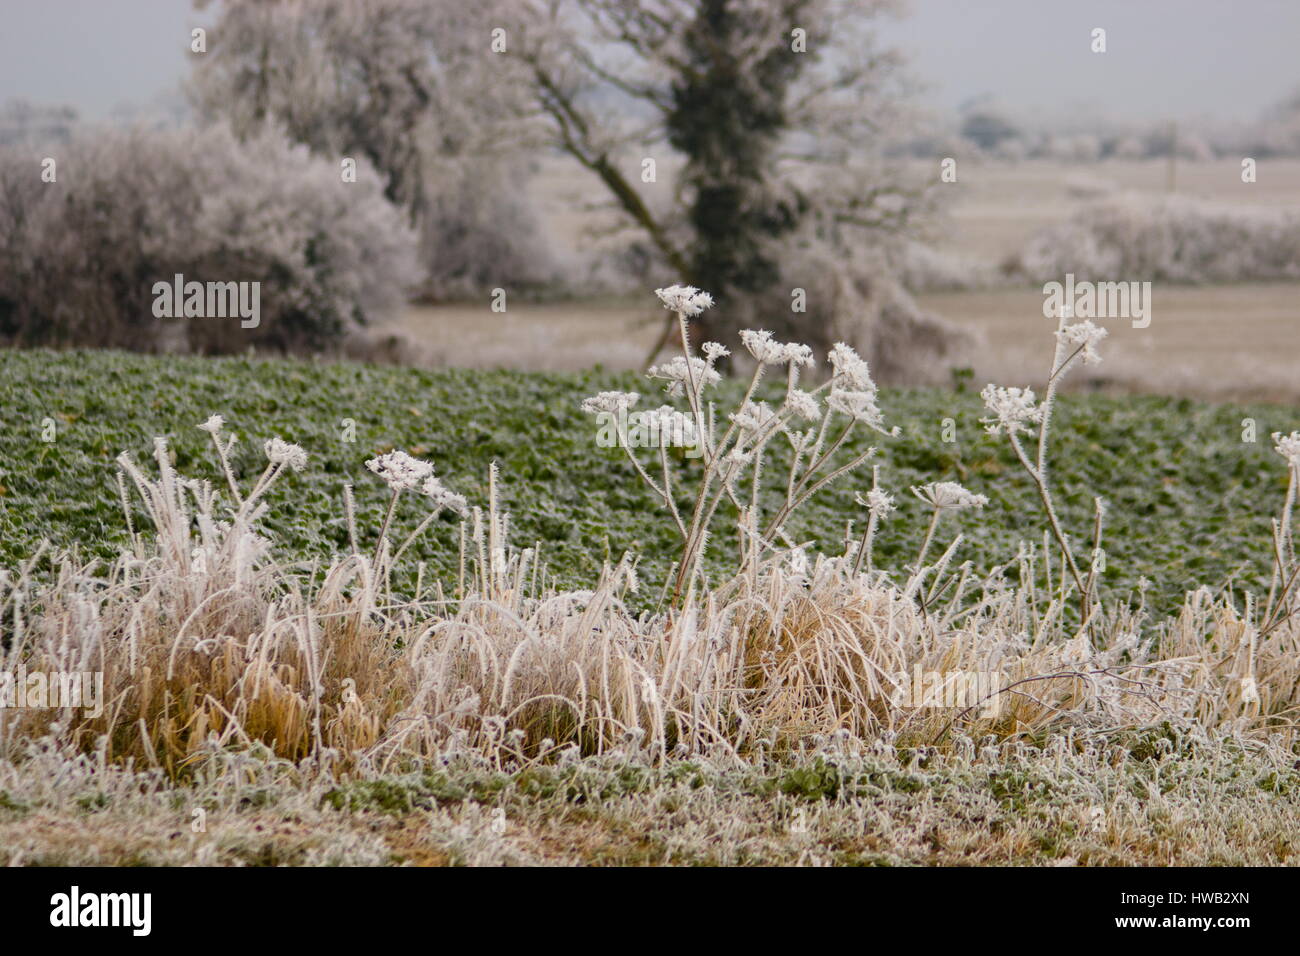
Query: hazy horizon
{"points": [[1190, 60]]}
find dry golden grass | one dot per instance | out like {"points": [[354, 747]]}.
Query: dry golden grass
{"points": [[206, 645]]}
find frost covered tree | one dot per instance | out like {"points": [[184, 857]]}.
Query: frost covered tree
{"points": [[772, 114], [409, 85], [79, 257]]}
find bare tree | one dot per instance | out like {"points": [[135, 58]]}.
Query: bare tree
{"points": [[772, 112], [410, 86]]}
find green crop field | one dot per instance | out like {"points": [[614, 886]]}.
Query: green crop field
{"points": [[1189, 500]]}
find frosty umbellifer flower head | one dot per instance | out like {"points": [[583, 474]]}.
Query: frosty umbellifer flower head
{"points": [[1013, 409], [679, 375], [948, 496], [714, 351], [399, 470], [611, 402], [859, 405], [753, 416], [283, 453], [803, 404], [768, 351], [213, 425], [1288, 446], [877, 502], [685, 299], [442, 496], [1083, 335], [851, 369]]}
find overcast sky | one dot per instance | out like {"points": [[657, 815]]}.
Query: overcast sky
{"points": [[1166, 59]]}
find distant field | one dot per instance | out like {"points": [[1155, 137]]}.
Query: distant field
{"points": [[1217, 342], [994, 207], [1227, 341]]}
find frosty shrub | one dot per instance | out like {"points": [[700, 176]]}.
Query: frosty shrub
{"points": [[395, 82], [927, 268], [132, 208], [1173, 240]]}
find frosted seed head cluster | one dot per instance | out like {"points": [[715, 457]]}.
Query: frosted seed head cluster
{"points": [[851, 370], [280, 452], [803, 404], [1083, 335], [685, 299], [1288, 446], [948, 496], [858, 405], [679, 375], [1012, 409], [877, 502], [768, 351], [442, 496], [610, 402], [213, 425], [714, 351], [754, 416], [400, 471]]}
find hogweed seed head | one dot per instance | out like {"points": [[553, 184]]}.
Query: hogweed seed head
{"points": [[284, 453], [1288, 446], [442, 496], [610, 402], [851, 368], [858, 405], [768, 351], [803, 404], [714, 351], [948, 496], [213, 425], [877, 502], [1013, 409], [753, 416], [399, 470], [1086, 335], [685, 299], [678, 374]]}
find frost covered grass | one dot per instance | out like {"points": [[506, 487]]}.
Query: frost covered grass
{"points": [[1142, 799], [350, 673]]}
